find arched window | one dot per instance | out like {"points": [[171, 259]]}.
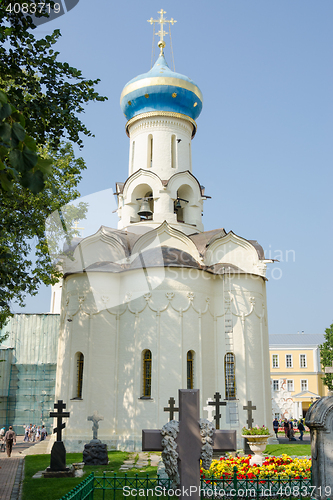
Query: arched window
{"points": [[132, 160], [146, 393], [229, 374], [189, 361], [79, 375], [150, 151], [173, 151]]}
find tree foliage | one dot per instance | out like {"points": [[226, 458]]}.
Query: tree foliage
{"points": [[41, 100], [326, 356], [24, 260], [19, 161]]}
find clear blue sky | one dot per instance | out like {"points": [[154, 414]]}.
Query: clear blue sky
{"points": [[263, 148]]}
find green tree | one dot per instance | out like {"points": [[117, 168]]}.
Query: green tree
{"points": [[19, 161], [326, 356], [25, 260], [41, 101], [49, 93]]}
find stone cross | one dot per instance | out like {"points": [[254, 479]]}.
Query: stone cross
{"points": [[209, 410], [189, 443], [217, 403], [59, 416], [95, 418], [171, 409], [249, 409]]}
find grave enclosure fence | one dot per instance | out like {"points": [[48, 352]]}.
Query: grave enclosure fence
{"points": [[113, 487]]}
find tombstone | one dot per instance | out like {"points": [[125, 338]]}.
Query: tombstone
{"points": [[217, 403], [95, 452], [171, 409], [209, 409], [190, 442], [58, 453], [319, 418], [249, 408]]}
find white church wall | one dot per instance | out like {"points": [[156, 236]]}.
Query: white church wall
{"points": [[161, 130], [184, 312]]}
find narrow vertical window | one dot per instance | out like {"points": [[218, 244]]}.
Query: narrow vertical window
{"points": [[189, 362], [190, 155], [229, 374], [304, 385], [79, 376], [302, 360], [290, 385], [132, 160], [289, 361], [173, 151], [150, 151], [147, 374]]}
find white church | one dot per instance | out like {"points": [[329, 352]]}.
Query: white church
{"points": [[160, 304]]}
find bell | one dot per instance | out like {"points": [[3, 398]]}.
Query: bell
{"points": [[178, 205], [145, 209]]}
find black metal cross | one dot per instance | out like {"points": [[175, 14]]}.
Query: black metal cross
{"points": [[171, 409], [217, 403], [189, 445], [59, 415], [249, 409]]}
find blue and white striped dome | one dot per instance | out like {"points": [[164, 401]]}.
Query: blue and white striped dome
{"points": [[161, 90]]}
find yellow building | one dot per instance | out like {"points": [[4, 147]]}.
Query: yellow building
{"points": [[296, 373]]}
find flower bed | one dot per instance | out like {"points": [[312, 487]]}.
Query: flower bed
{"points": [[273, 468]]}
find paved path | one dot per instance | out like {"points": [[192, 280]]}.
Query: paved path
{"points": [[11, 469], [284, 440], [8, 472]]}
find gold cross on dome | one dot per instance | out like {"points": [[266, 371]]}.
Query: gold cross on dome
{"points": [[161, 21], [76, 223]]}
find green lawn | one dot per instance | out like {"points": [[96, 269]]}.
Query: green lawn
{"points": [[55, 488], [289, 449]]}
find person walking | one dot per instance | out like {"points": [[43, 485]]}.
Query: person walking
{"points": [[38, 434], [30, 432], [2, 439], [42, 433], [26, 433], [301, 429], [276, 426], [291, 431], [33, 433], [286, 427], [10, 438]]}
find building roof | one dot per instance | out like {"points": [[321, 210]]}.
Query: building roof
{"points": [[161, 89], [296, 339]]}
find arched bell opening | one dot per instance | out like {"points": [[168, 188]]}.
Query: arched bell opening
{"points": [[182, 203], [143, 202]]}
